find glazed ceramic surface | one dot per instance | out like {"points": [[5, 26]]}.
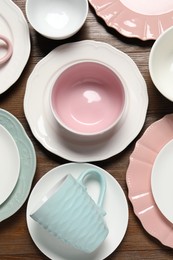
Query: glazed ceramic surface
{"points": [[68, 212], [27, 165], [161, 64], [139, 179], [8, 49], [88, 98], [14, 26], [161, 180], [57, 19], [9, 164], [136, 18], [115, 205], [43, 123]]}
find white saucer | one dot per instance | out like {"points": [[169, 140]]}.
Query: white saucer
{"points": [[115, 205], [42, 122], [162, 180], [9, 164], [14, 26]]}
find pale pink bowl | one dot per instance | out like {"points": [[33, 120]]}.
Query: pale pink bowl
{"points": [[88, 98]]}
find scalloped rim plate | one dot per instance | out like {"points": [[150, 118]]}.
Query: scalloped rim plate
{"points": [[44, 125], [14, 26], [115, 205], [136, 18], [27, 165], [138, 179]]}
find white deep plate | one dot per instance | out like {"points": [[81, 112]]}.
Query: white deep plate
{"points": [[27, 165], [162, 180], [115, 205], [39, 115], [9, 164], [14, 26]]}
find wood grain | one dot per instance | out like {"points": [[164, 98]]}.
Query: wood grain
{"points": [[15, 241]]}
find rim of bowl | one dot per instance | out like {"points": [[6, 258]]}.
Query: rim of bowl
{"points": [[52, 36], [107, 129], [151, 60]]}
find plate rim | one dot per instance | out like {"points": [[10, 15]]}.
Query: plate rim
{"points": [[27, 170], [150, 209], [156, 23]]}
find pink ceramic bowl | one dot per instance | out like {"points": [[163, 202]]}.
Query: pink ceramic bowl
{"points": [[88, 98]]}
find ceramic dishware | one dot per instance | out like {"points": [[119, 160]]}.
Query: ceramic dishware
{"points": [[88, 98], [161, 63], [139, 175], [161, 180], [40, 117], [115, 205], [70, 214], [8, 49], [15, 27], [57, 19], [27, 165], [136, 18], [9, 164]]}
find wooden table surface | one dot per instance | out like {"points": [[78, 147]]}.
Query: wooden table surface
{"points": [[15, 241]]}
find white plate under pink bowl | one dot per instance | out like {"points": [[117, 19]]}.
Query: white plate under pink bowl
{"points": [[40, 117], [141, 19], [138, 178]]}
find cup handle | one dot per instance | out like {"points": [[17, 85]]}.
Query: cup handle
{"points": [[101, 178], [9, 49]]}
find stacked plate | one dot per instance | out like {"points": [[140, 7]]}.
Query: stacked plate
{"points": [[149, 180], [17, 167], [44, 125]]}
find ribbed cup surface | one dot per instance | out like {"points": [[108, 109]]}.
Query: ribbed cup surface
{"points": [[75, 219]]}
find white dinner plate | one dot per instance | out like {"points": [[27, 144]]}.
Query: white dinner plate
{"points": [[14, 26], [162, 180], [27, 165], [9, 164], [115, 205], [43, 124]]}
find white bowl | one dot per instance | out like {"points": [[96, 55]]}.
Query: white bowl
{"points": [[57, 19], [161, 63], [88, 99]]}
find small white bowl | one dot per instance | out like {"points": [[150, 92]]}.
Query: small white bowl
{"points": [[161, 63], [57, 19], [88, 99]]}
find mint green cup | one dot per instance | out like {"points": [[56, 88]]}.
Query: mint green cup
{"points": [[69, 213]]}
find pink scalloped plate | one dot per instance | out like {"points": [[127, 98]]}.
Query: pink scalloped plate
{"points": [[138, 19], [138, 179]]}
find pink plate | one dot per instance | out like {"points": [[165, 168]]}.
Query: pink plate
{"points": [[138, 179], [136, 18]]}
